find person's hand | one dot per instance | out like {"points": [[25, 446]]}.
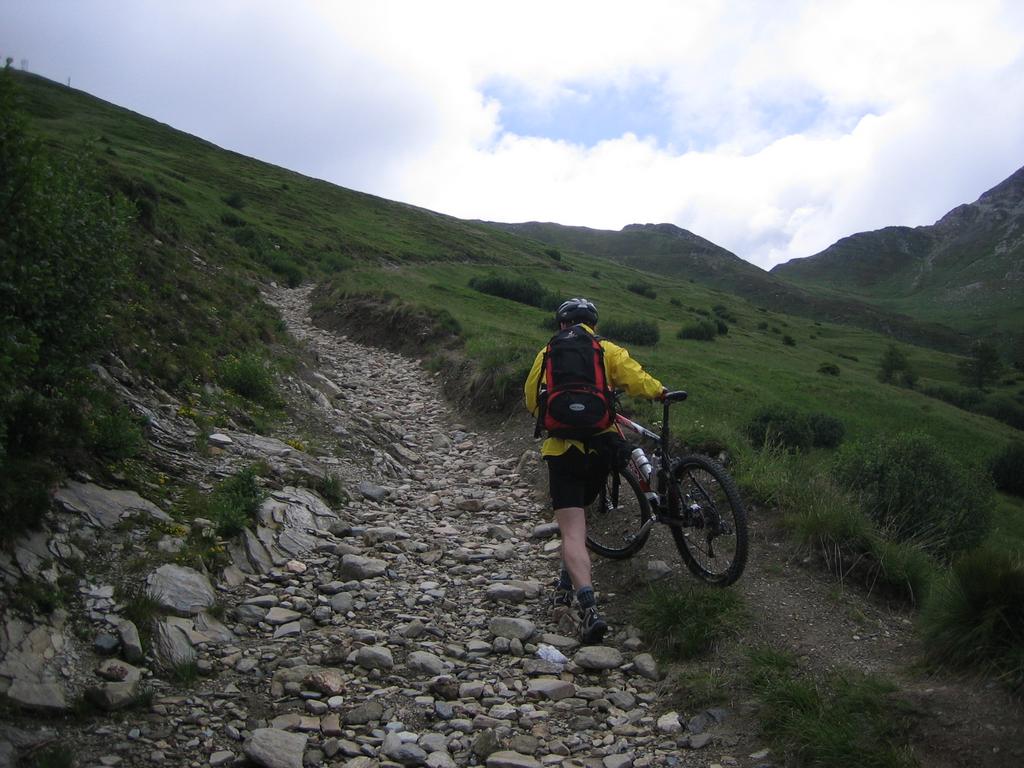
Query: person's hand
{"points": [[660, 397]]}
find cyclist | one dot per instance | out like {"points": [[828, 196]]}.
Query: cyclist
{"points": [[577, 470]]}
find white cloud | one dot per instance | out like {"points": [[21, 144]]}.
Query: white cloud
{"points": [[792, 123]]}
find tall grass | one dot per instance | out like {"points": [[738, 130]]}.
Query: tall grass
{"points": [[975, 617], [842, 719]]}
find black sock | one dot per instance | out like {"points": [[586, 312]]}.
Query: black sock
{"points": [[585, 597]]}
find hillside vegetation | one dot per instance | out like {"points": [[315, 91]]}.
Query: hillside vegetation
{"points": [[665, 249], [211, 226], [966, 270]]}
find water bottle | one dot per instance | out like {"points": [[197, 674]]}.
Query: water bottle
{"points": [[642, 463]]}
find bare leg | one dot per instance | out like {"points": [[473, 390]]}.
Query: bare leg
{"points": [[572, 523]]}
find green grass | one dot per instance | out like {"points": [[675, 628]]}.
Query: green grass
{"points": [[975, 618], [215, 227], [688, 622], [842, 719]]}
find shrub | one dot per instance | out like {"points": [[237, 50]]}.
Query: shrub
{"points": [[976, 616], [895, 368], [249, 376], [642, 289], [828, 369], [961, 398], [780, 426], [763, 325], [113, 433], [685, 623], [233, 503], [705, 330], [724, 312], [1002, 409], [1007, 469], [524, 290], [788, 340], [235, 200], [675, 302], [826, 431], [643, 332], [553, 253], [982, 367], [722, 327], [230, 219], [916, 492]]}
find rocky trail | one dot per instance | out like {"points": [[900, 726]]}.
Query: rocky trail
{"points": [[406, 626]]}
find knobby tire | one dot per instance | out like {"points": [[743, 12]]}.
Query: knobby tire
{"points": [[615, 517], [712, 540]]}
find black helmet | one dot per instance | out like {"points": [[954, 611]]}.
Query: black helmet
{"points": [[577, 311]]}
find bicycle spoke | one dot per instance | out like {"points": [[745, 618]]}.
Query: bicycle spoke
{"points": [[712, 535]]}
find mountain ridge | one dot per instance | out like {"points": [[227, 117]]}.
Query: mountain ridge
{"points": [[967, 267]]}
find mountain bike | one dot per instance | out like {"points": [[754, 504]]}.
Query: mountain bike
{"points": [[692, 495]]}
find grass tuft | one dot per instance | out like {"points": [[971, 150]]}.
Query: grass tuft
{"points": [[975, 617], [685, 623]]}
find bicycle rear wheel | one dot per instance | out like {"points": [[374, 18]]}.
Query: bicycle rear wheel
{"points": [[615, 518], [710, 523]]}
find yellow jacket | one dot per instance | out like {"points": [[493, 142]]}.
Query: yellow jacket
{"points": [[621, 371]]}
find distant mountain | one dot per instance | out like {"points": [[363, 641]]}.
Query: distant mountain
{"points": [[669, 250], [966, 270]]}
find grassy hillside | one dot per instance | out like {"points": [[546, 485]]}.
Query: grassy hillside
{"points": [[966, 270], [665, 249], [211, 226]]}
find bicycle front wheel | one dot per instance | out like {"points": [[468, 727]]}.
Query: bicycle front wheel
{"points": [[616, 517], [709, 522]]}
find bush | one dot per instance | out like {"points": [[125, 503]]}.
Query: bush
{"points": [[722, 327], [782, 427], [828, 369], [789, 429], [232, 220], [826, 431], [705, 330], [233, 503], [249, 376], [675, 302], [895, 368], [724, 312], [643, 332], [976, 616], [643, 289], [553, 253], [961, 398], [788, 340], [1002, 409], [685, 623], [235, 200], [1007, 469], [914, 491], [524, 290], [983, 367]]}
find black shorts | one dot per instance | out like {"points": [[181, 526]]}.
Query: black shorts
{"points": [[575, 479]]}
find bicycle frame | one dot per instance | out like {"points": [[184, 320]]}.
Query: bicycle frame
{"points": [[661, 442]]}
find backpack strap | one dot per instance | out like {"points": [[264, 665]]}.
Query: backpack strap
{"points": [[542, 396]]}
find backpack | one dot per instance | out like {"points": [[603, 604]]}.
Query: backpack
{"points": [[577, 403]]}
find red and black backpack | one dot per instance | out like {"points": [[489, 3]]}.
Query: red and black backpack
{"points": [[577, 402]]}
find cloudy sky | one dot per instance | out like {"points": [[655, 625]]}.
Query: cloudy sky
{"points": [[771, 128]]}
